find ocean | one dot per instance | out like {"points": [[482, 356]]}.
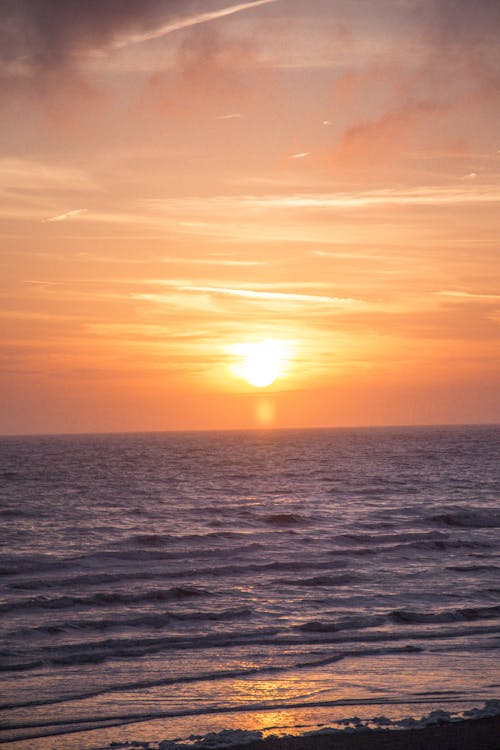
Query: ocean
{"points": [[167, 585]]}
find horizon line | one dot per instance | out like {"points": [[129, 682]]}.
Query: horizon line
{"points": [[204, 430]]}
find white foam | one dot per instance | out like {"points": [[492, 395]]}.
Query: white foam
{"points": [[231, 737], [225, 738]]}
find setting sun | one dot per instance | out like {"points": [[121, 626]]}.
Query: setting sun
{"points": [[261, 362]]}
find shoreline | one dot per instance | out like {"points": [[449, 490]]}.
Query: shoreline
{"points": [[478, 729]]}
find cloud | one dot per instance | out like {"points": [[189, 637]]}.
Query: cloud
{"points": [[212, 70], [353, 254], [419, 91], [468, 295], [194, 20], [235, 116], [463, 37], [253, 294], [412, 99], [42, 35], [375, 141], [418, 196], [458, 21], [249, 294], [40, 39], [26, 175], [213, 261], [67, 215]]}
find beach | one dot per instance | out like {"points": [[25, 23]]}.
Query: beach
{"points": [[471, 734], [479, 734]]}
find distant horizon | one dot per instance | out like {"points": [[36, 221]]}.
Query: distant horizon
{"points": [[255, 429]]}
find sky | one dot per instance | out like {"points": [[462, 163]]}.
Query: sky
{"points": [[181, 181]]}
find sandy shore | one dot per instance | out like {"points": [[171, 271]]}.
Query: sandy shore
{"points": [[473, 734]]}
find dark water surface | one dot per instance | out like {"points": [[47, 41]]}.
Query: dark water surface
{"points": [[157, 584]]}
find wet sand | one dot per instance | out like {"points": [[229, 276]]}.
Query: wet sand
{"points": [[473, 734]]}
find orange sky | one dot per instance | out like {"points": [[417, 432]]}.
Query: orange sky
{"points": [[178, 179]]}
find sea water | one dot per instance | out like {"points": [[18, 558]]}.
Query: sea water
{"points": [[162, 585]]}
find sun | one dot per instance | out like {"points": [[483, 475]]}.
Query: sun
{"points": [[261, 362]]}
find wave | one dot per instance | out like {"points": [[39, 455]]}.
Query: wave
{"points": [[380, 544], [368, 544], [454, 544], [350, 623], [469, 519], [454, 615], [150, 555], [226, 738], [143, 620], [14, 513], [392, 537], [72, 654], [401, 617], [12, 476], [430, 545], [17, 564], [442, 545], [127, 575], [284, 519], [314, 631], [214, 675], [324, 580], [82, 579], [158, 540], [104, 599], [474, 568]]}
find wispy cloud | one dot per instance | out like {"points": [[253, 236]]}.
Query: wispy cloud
{"points": [[234, 116], [252, 294], [34, 44], [193, 20], [468, 295], [418, 196], [68, 215], [278, 296], [273, 217], [28, 174], [230, 205], [351, 255], [214, 262]]}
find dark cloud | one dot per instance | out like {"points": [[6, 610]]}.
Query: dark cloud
{"points": [[465, 21], [43, 36], [463, 36], [212, 70]]}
